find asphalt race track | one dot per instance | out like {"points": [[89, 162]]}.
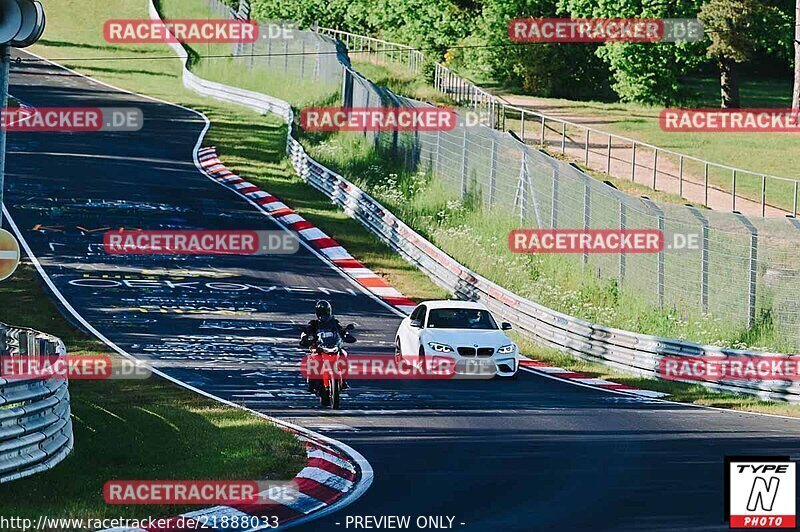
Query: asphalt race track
{"points": [[529, 454]]}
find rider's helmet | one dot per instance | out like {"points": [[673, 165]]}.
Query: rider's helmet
{"points": [[323, 310]]}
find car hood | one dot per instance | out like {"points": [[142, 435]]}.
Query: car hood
{"points": [[467, 337]]}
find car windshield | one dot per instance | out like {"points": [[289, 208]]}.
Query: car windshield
{"points": [[460, 318]]}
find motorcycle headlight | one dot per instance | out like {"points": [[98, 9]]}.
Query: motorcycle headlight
{"points": [[440, 348], [506, 349]]}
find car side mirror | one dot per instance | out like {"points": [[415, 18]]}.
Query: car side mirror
{"points": [[350, 327], [505, 326], [416, 323]]}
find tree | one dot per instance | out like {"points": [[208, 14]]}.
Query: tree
{"points": [[796, 92], [648, 73], [735, 27]]}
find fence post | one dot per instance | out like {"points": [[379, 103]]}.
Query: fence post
{"points": [[608, 157], [751, 300], [302, 58], [437, 152], [705, 185], [493, 174], [655, 168], [543, 126], [661, 254], [680, 176], [763, 196], [563, 137], [633, 163], [587, 211], [554, 204], [703, 258], [522, 127], [733, 191], [794, 208], [586, 149], [464, 163]]}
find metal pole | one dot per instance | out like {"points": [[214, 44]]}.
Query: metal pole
{"points": [[608, 157], [586, 149], [493, 174], [751, 300], [733, 191], [705, 184], [633, 164], [5, 61], [704, 265], [763, 196], [563, 137]]}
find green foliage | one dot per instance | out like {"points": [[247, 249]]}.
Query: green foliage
{"points": [[472, 38], [645, 72], [739, 28]]}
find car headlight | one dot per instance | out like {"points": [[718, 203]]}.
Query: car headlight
{"points": [[506, 349], [440, 348]]}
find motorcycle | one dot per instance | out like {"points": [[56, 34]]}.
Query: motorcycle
{"points": [[329, 346]]}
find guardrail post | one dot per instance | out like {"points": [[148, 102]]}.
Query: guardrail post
{"points": [[493, 174], [703, 257], [662, 253], [753, 263]]}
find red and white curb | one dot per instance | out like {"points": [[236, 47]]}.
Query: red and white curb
{"points": [[327, 477], [318, 240], [554, 372]]}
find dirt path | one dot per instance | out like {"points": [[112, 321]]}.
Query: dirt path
{"points": [[667, 177]]}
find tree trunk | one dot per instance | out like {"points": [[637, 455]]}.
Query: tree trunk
{"points": [[796, 91], [729, 83]]}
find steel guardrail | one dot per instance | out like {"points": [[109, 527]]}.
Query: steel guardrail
{"points": [[633, 353], [35, 425]]}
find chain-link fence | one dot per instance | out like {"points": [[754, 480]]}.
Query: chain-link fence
{"points": [[745, 271]]}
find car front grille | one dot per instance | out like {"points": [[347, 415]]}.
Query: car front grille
{"points": [[471, 351]]}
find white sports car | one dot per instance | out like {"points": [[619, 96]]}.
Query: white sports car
{"points": [[462, 330]]}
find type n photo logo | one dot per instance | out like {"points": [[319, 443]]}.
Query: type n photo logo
{"points": [[760, 492]]}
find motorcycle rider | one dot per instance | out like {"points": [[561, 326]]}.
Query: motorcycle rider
{"points": [[324, 312]]}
